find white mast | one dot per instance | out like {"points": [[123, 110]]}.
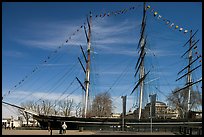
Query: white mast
{"points": [[88, 66], [142, 70], [189, 78]]}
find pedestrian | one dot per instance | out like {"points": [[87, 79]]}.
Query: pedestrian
{"points": [[49, 126], [64, 127]]}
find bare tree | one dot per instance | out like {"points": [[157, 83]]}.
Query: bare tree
{"points": [[28, 105], [47, 107], [179, 101], [66, 106], [78, 109], [102, 105]]}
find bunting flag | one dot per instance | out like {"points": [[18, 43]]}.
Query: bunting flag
{"points": [[196, 53], [159, 17], [180, 29], [155, 13], [122, 11], [45, 61], [172, 24], [185, 31], [167, 22]]}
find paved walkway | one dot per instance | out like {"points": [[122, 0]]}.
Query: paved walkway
{"points": [[76, 132]]}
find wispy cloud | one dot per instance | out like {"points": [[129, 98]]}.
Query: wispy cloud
{"points": [[12, 53], [108, 36], [39, 95], [162, 53], [50, 37]]}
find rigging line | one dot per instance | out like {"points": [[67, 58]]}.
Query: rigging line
{"points": [[140, 56], [58, 99], [189, 64], [190, 38], [12, 91], [189, 72], [199, 97], [66, 41], [140, 80], [34, 70], [156, 58], [71, 92], [162, 73], [188, 85], [50, 92], [38, 66], [190, 48], [127, 89], [92, 77], [161, 92], [33, 83], [124, 74], [120, 76], [102, 15], [64, 76], [8, 108], [66, 89], [141, 61], [37, 71]]}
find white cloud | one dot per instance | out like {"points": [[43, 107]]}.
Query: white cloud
{"points": [[162, 53], [23, 96], [50, 35], [12, 53]]}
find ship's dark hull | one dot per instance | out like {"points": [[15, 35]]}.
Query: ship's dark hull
{"points": [[74, 122], [55, 122]]}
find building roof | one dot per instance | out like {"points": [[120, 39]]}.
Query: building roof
{"points": [[158, 103]]}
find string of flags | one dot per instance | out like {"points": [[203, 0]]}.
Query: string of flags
{"points": [[196, 53], [102, 15], [118, 12], [167, 22], [171, 25]]}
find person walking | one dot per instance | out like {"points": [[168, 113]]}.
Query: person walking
{"points": [[64, 127]]}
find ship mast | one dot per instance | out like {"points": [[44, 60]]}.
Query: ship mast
{"points": [[142, 70], [189, 81], [140, 62], [87, 79], [189, 77]]}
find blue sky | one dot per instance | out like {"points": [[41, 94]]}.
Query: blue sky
{"points": [[31, 32]]}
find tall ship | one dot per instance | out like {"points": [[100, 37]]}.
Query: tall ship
{"points": [[141, 74]]}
